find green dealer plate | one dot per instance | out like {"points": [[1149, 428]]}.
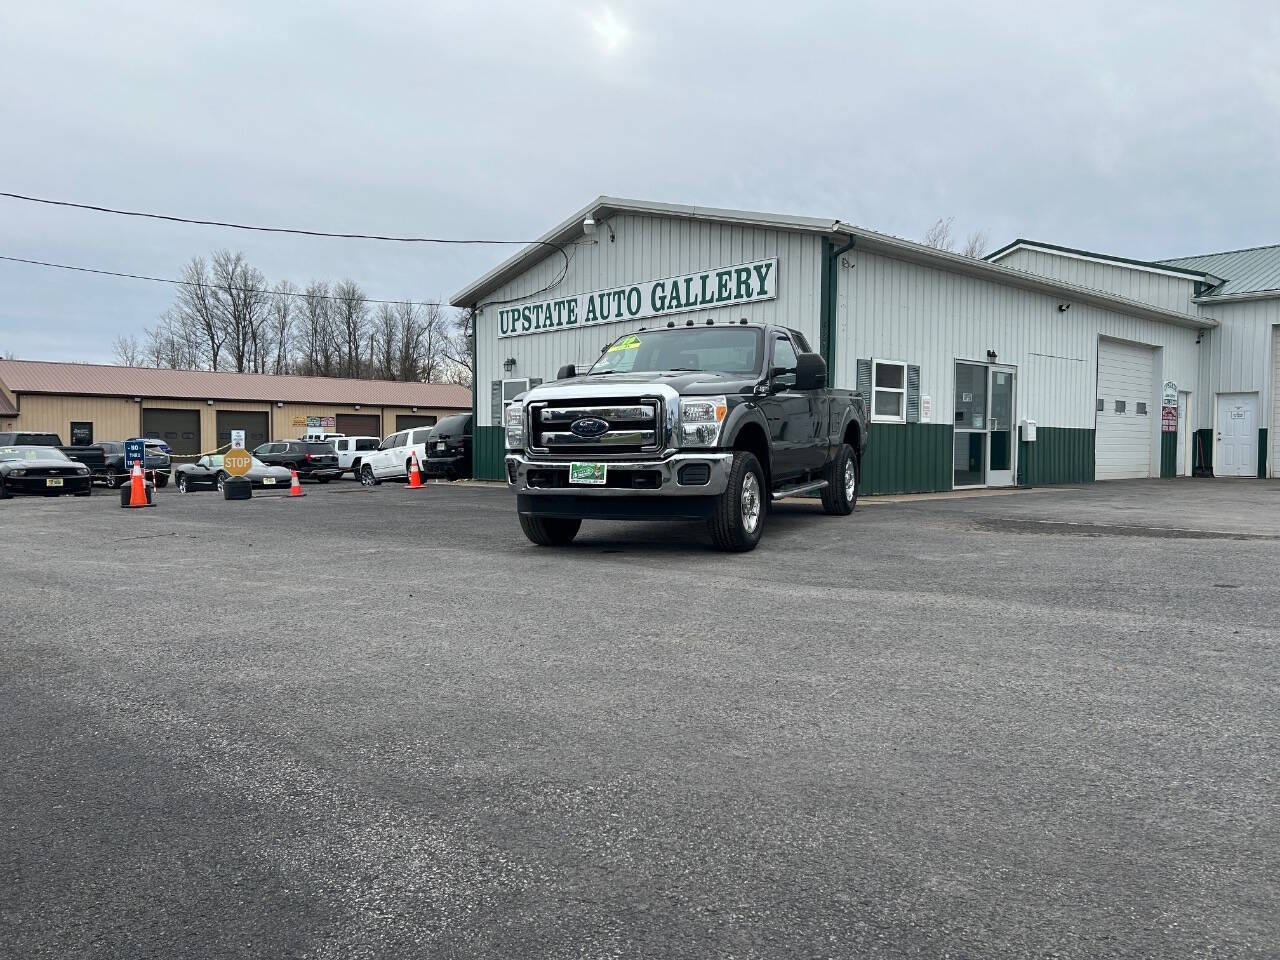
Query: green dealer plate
{"points": [[588, 473]]}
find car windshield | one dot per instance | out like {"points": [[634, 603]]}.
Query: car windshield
{"points": [[215, 461], [258, 464], [713, 349], [32, 453], [452, 424]]}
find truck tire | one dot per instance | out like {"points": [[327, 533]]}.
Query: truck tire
{"points": [[367, 477], [738, 521], [840, 495], [550, 531]]}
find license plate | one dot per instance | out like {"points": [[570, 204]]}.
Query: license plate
{"points": [[268, 481], [53, 482], [588, 473], [440, 446]]}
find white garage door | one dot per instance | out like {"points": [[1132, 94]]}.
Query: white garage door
{"points": [[1126, 405]]}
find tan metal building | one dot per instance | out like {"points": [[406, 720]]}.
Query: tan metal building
{"points": [[194, 411]]}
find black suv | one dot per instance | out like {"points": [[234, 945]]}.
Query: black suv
{"points": [[114, 474], [449, 448], [313, 459]]}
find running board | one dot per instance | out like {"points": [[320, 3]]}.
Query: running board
{"points": [[797, 491]]}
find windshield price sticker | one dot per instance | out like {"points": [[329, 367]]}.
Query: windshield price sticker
{"points": [[588, 473], [626, 343], [708, 289]]}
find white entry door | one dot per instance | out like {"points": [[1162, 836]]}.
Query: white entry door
{"points": [[1184, 434], [1237, 439]]}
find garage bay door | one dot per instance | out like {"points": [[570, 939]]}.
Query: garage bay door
{"points": [[1126, 388], [359, 424], [180, 429], [407, 421], [253, 424]]}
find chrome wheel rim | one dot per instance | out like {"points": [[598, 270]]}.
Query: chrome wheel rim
{"points": [[850, 479], [750, 502], [366, 477], [182, 484]]}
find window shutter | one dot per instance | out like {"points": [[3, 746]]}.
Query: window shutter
{"points": [[495, 404], [913, 394], [864, 379]]}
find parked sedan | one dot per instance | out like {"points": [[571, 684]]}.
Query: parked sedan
{"points": [[207, 474], [43, 471], [313, 459]]}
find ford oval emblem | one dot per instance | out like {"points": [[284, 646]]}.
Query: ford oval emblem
{"points": [[589, 427]]}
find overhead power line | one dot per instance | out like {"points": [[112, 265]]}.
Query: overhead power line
{"points": [[96, 208], [214, 286]]}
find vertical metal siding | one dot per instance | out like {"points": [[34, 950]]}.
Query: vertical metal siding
{"points": [[1171, 293], [646, 248], [1238, 355], [902, 311]]}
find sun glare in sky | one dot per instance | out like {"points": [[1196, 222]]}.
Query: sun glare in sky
{"points": [[611, 31]]}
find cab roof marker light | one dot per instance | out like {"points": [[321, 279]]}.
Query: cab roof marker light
{"points": [[670, 324], [688, 323]]}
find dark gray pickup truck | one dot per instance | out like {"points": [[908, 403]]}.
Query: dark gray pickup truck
{"points": [[709, 422]]}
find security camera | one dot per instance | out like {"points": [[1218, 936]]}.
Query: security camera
{"points": [[1064, 307]]}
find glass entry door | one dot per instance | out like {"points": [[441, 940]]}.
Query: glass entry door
{"points": [[983, 452]]}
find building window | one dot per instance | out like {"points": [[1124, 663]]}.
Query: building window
{"points": [[81, 433], [1120, 406], [1141, 409], [889, 391], [1102, 405]]}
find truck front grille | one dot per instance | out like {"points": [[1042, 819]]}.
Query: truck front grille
{"points": [[630, 427]]}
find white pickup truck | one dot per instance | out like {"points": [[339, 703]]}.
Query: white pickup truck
{"points": [[352, 451]]}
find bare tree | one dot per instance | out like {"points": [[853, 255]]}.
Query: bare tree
{"points": [[197, 311], [281, 325], [10, 355], [458, 351], [939, 235], [351, 320], [243, 302], [173, 343], [384, 342], [315, 341], [974, 245], [127, 350]]}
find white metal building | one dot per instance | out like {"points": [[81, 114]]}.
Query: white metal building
{"points": [[1039, 364]]}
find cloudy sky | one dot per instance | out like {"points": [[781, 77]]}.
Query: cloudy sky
{"points": [[1145, 129]]}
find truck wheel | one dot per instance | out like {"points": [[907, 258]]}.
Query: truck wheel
{"points": [[840, 495], [550, 531], [738, 521], [367, 478]]}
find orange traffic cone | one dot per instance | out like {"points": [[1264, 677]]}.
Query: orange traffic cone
{"points": [[138, 488], [415, 478], [295, 488]]}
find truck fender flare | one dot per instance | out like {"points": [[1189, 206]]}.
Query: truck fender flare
{"points": [[739, 417]]}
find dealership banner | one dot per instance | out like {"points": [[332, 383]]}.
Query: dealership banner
{"points": [[724, 286]]}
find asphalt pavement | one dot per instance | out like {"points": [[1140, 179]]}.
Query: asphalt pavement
{"points": [[379, 723]]}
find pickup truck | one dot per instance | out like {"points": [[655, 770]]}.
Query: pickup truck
{"points": [[92, 457], [709, 422]]}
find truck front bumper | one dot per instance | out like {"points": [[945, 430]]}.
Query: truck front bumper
{"points": [[683, 486]]}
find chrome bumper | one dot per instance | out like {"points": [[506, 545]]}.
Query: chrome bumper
{"points": [[719, 463]]}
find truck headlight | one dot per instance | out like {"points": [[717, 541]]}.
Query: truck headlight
{"points": [[513, 418], [700, 420], [20, 472]]}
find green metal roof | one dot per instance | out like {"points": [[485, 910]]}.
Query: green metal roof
{"points": [[1251, 271]]}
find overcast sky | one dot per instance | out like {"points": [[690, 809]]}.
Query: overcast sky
{"points": [[1147, 130]]}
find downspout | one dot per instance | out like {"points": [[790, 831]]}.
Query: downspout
{"points": [[830, 275], [475, 410]]}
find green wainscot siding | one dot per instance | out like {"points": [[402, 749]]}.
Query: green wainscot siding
{"points": [[1168, 454], [1262, 454], [1202, 453], [907, 458], [1057, 455], [488, 449]]}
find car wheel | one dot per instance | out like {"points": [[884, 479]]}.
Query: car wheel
{"points": [[4, 492], [86, 492], [221, 479], [367, 478], [115, 481], [840, 495], [550, 531], [323, 479], [737, 523], [182, 483]]}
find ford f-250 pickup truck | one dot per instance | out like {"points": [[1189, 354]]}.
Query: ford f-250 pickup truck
{"points": [[709, 422]]}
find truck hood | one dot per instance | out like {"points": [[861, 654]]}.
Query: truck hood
{"points": [[685, 383]]}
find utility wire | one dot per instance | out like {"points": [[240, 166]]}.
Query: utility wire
{"points": [[213, 286], [558, 248]]}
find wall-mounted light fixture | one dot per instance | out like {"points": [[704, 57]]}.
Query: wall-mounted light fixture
{"points": [[589, 225], [279, 403], [209, 402], [137, 399], [991, 355], [415, 409], [357, 406], [509, 364]]}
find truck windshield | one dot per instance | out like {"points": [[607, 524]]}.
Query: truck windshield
{"points": [[733, 350]]}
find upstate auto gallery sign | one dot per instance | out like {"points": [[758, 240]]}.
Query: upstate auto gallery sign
{"points": [[725, 286]]}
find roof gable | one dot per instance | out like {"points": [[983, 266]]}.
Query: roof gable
{"points": [[1252, 271], [1191, 274]]}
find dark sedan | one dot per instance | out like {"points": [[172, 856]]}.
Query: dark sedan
{"points": [[449, 448], [42, 471]]}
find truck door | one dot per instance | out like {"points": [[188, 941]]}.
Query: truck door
{"points": [[787, 411]]}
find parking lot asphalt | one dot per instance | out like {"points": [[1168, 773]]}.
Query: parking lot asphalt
{"points": [[379, 723]]}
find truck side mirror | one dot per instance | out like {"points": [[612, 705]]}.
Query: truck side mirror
{"points": [[811, 371], [567, 371]]}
